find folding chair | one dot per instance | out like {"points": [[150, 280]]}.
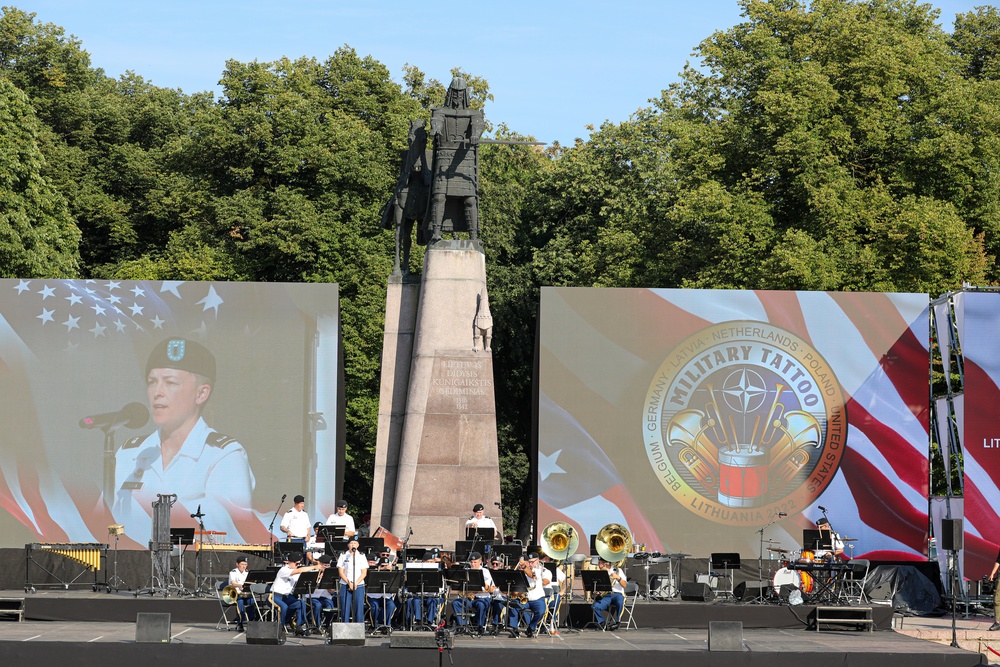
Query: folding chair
{"points": [[853, 582], [261, 601], [226, 607], [631, 595]]}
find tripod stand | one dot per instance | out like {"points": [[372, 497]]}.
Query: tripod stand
{"points": [[116, 582]]}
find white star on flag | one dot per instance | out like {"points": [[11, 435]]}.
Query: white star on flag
{"points": [[547, 464]]}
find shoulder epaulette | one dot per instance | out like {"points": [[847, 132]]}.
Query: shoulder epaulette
{"points": [[214, 439], [132, 443]]}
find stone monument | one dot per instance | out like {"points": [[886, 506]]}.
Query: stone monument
{"points": [[436, 452]]}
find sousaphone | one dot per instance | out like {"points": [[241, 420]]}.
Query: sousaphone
{"points": [[559, 540], [613, 543]]}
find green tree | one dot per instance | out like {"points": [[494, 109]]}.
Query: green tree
{"points": [[37, 234]]}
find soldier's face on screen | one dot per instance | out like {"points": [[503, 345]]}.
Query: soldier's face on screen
{"points": [[174, 396]]}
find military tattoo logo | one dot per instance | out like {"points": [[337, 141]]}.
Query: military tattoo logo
{"points": [[743, 420]]}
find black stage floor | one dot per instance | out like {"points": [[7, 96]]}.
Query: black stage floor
{"points": [[86, 628]]}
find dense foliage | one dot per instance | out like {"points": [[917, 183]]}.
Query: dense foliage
{"points": [[829, 145]]}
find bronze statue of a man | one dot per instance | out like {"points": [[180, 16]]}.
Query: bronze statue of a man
{"points": [[456, 130]]}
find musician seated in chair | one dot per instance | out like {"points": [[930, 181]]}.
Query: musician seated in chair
{"points": [[615, 600], [237, 579], [538, 579], [422, 607], [382, 605], [477, 602], [281, 592], [823, 525], [321, 602]]}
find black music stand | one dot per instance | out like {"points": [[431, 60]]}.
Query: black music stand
{"points": [[597, 583], [304, 588], [511, 552], [465, 581], [817, 540], [386, 582], [726, 562], [284, 549], [330, 531], [481, 535], [329, 581], [370, 546], [182, 538], [425, 580], [510, 582]]}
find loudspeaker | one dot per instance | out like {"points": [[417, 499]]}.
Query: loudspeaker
{"points": [[751, 590], [695, 592], [725, 635], [151, 628], [951, 534], [262, 632], [347, 634], [879, 593]]}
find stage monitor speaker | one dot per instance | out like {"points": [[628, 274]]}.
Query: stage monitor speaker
{"points": [[692, 591], [725, 635], [347, 634], [751, 590], [951, 534], [879, 593], [263, 632], [152, 628]]}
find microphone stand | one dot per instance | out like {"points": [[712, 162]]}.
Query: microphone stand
{"points": [[760, 560], [270, 528]]}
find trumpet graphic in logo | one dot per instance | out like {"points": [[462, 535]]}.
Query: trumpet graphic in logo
{"points": [[744, 419]]}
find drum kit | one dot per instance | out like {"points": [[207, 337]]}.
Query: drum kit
{"points": [[793, 576]]}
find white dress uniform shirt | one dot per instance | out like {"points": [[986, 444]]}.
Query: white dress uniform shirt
{"points": [[210, 469], [296, 523]]}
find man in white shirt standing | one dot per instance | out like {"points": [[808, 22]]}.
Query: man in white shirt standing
{"points": [[479, 519], [352, 567], [296, 522], [342, 518]]}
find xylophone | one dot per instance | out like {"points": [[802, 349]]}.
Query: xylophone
{"points": [[89, 554]]}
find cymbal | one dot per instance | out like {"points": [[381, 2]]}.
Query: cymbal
{"points": [[848, 539], [677, 555], [779, 550]]}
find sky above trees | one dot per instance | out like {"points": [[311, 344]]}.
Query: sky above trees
{"points": [[554, 67]]}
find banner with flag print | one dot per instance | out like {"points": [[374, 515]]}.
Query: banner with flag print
{"points": [[699, 418]]}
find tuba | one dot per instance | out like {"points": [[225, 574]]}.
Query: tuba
{"points": [[559, 540], [229, 594], [613, 543]]}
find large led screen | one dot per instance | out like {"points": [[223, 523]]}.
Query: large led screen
{"points": [[730, 421], [213, 399], [978, 314]]}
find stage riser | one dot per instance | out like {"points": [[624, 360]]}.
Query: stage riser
{"points": [[647, 615], [103, 654]]}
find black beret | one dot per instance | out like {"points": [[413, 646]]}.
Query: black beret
{"points": [[299, 499], [183, 355], [478, 508]]}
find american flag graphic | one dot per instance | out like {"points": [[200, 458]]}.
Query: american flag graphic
{"points": [[599, 349]]}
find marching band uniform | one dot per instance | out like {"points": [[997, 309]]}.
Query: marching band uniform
{"points": [[345, 520], [296, 522], [237, 578], [616, 598], [353, 567], [288, 602], [480, 602]]}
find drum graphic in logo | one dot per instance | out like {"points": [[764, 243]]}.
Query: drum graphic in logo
{"points": [[742, 420]]}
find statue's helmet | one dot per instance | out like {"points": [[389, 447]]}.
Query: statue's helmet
{"points": [[458, 94]]}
